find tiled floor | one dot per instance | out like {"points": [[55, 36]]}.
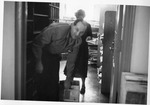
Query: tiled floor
{"points": [[93, 93]]}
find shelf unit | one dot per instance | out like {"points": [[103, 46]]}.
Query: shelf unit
{"points": [[93, 47], [39, 15], [54, 11], [133, 88]]}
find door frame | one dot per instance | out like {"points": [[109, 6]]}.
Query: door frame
{"points": [[108, 46], [126, 41], [117, 47], [20, 50], [125, 31]]}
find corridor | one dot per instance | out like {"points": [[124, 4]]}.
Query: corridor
{"points": [[93, 93]]}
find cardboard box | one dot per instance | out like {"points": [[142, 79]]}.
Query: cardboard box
{"points": [[69, 95], [133, 88]]}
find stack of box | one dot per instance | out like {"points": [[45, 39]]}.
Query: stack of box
{"points": [[133, 88], [71, 94]]}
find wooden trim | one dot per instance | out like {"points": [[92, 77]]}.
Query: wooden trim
{"points": [[115, 71], [57, 7], [41, 15], [128, 28], [124, 31], [20, 50], [126, 43]]}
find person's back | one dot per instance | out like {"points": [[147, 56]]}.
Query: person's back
{"points": [[47, 47], [52, 41], [81, 64], [55, 37]]}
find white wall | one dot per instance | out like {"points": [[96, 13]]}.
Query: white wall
{"points": [[103, 9], [139, 59], [7, 86], [69, 9]]}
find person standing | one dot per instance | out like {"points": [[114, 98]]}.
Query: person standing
{"points": [[81, 64]]}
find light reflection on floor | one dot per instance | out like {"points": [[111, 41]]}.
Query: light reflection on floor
{"points": [[93, 93]]}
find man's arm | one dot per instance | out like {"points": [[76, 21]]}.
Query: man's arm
{"points": [[39, 42]]}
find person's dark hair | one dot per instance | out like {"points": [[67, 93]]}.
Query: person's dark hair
{"points": [[80, 13], [78, 20]]}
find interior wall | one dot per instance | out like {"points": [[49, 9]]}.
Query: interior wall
{"points": [[139, 59], [7, 86], [68, 10]]}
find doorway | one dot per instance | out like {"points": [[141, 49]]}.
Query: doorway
{"points": [[33, 30]]}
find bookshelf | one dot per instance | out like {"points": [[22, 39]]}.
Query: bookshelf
{"points": [[39, 15]]}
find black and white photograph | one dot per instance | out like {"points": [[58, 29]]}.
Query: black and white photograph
{"points": [[74, 52]]}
